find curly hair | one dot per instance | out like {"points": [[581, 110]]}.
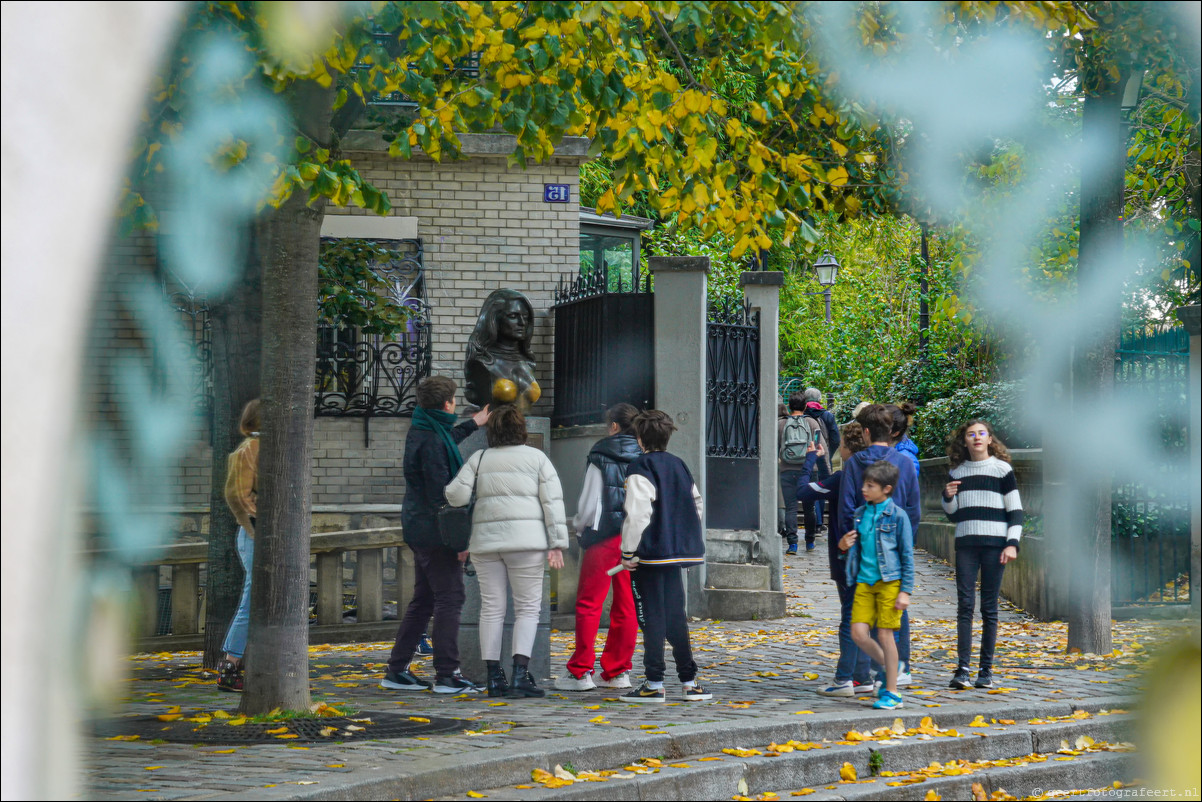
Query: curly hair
{"points": [[484, 335], [957, 449], [853, 437]]}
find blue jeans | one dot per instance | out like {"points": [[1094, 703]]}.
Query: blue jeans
{"points": [[235, 636], [853, 662], [901, 637]]}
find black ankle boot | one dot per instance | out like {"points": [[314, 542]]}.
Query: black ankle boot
{"points": [[497, 684], [523, 684]]}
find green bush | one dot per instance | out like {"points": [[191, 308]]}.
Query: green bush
{"points": [[1000, 403]]}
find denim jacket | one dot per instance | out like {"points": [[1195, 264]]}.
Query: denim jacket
{"points": [[894, 547]]}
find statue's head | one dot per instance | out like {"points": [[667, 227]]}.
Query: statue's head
{"points": [[506, 318]]}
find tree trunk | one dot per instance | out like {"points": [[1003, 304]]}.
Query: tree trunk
{"points": [[236, 336], [1105, 139], [277, 664]]}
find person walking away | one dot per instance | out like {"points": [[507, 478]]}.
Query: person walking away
{"points": [[981, 497], [877, 421], [660, 536], [903, 419], [598, 524], [852, 672], [830, 434], [793, 436], [241, 495], [431, 458], [517, 525], [880, 561]]}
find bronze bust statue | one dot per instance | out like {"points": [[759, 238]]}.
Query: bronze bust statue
{"points": [[499, 368]]}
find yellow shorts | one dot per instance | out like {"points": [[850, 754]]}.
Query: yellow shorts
{"points": [[875, 605]]}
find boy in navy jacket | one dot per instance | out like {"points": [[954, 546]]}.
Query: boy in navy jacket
{"points": [[660, 535]]}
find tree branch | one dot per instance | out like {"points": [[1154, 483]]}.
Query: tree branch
{"points": [[680, 59]]}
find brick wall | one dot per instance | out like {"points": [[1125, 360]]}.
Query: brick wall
{"points": [[483, 226]]}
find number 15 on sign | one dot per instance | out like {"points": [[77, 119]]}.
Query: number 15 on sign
{"points": [[556, 193]]}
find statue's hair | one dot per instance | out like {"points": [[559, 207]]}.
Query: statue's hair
{"points": [[484, 335]]}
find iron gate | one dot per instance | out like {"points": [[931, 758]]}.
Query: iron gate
{"points": [[1150, 523], [604, 348], [732, 431]]}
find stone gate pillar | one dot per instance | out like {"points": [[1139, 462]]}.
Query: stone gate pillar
{"points": [[1190, 316], [762, 291], [680, 312]]}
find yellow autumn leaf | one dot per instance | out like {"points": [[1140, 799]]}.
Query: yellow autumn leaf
{"points": [[419, 719], [803, 792], [597, 720], [288, 735], [353, 728], [932, 796], [277, 730], [979, 721], [978, 792], [475, 795], [169, 716], [326, 732], [223, 751], [1084, 742], [123, 737], [810, 675], [847, 772], [540, 775], [837, 176]]}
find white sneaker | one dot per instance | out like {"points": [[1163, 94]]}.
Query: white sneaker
{"points": [[570, 683], [838, 689], [904, 679], [617, 681]]}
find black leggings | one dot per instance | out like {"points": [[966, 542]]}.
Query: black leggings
{"points": [[659, 604], [987, 561]]}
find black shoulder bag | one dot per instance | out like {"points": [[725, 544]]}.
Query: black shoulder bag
{"points": [[455, 523]]}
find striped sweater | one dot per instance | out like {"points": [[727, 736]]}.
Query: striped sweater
{"points": [[986, 509]]}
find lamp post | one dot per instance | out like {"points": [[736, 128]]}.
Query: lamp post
{"points": [[826, 270]]}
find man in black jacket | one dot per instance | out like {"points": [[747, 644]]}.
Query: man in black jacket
{"points": [[431, 460]]}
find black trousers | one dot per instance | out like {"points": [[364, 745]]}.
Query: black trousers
{"points": [[659, 606], [788, 489], [987, 562], [438, 592]]}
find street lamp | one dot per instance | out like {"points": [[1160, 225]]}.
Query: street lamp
{"points": [[826, 271]]}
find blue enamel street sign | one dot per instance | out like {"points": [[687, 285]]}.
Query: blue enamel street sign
{"points": [[556, 193]]}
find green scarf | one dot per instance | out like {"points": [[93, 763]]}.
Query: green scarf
{"points": [[435, 420]]}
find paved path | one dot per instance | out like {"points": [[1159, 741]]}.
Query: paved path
{"points": [[756, 670]]}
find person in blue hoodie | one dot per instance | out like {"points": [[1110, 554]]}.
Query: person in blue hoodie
{"points": [[852, 672], [877, 421], [902, 416]]}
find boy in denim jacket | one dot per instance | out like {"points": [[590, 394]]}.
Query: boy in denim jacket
{"points": [[880, 562]]}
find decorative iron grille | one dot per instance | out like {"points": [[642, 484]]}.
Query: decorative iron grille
{"points": [[604, 349], [1150, 521], [732, 380], [371, 375], [194, 315]]}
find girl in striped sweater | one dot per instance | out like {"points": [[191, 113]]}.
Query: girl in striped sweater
{"points": [[982, 499]]}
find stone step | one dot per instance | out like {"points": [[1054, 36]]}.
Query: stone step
{"points": [[732, 546], [738, 576], [1085, 772], [685, 775], [744, 605]]}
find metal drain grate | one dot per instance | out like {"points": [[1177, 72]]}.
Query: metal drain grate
{"points": [[307, 730]]}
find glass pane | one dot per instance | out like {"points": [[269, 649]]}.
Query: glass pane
{"points": [[615, 254]]}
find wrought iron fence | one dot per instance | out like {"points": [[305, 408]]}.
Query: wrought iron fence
{"points": [[732, 387], [369, 375], [1150, 522], [604, 348]]}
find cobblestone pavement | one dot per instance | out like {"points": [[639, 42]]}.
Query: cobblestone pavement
{"points": [[756, 669]]}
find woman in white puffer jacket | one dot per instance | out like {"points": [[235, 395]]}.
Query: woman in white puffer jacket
{"points": [[518, 522]]}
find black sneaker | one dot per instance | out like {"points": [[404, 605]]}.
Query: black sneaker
{"points": [[455, 683], [645, 693], [424, 648], [984, 679], [403, 681], [695, 693], [962, 681]]}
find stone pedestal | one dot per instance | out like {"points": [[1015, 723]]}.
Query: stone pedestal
{"points": [[469, 626], [680, 374]]}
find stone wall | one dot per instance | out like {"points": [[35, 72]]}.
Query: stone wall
{"points": [[483, 226]]}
